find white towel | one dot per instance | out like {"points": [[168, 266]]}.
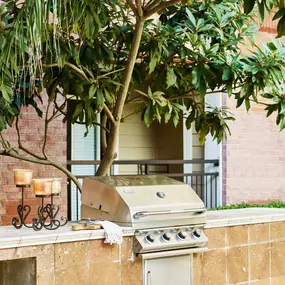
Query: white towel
{"points": [[113, 233]]}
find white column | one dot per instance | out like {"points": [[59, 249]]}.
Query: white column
{"points": [[213, 150]]}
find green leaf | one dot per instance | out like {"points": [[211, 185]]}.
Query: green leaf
{"points": [[167, 117], [176, 119], [267, 95], [2, 123], [247, 104], [281, 27], [279, 14], [239, 102], [226, 74], [248, 5], [92, 90], [170, 77], [78, 110], [100, 100], [190, 120], [148, 115], [191, 17], [108, 97], [282, 123]]}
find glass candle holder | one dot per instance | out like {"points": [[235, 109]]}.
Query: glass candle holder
{"points": [[23, 176], [43, 187], [56, 185]]}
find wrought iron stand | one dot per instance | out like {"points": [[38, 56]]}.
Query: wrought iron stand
{"points": [[23, 211], [47, 216]]}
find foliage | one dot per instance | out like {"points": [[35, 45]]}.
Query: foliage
{"points": [[268, 6], [270, 204], [104, 54]]}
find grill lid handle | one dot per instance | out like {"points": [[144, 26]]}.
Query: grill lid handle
{"points": [[143, 214]]}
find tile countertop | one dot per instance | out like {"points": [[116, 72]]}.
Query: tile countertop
{"points": [[11, 237], [226, 218]]}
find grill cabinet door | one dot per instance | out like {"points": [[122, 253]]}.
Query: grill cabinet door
{"points": [[168, 271]]}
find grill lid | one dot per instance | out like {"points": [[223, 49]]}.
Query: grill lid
{"points": [[141, 201]]}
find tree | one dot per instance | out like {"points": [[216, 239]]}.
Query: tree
{"points": [[99, 53]]}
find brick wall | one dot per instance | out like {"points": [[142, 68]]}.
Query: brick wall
{"points": [[32, 135], [255, 158], [254, 155]]}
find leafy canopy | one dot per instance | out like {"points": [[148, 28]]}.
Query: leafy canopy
{"points": [[79, 50]]}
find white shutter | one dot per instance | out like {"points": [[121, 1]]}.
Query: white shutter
{"points": [[82, 148]]}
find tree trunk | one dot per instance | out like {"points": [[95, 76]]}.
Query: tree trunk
{"points": [[110, 153]]}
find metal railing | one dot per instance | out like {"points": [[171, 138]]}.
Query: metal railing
{"points": [[204, 183]]}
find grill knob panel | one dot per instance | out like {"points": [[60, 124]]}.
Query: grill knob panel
{"points": [[149, 238], [166, 237], [197, 233], [182, 235]]}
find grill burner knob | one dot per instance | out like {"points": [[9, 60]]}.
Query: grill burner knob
{"points": [[149, 238], [197, 233], [166, 237], [182, 235]]}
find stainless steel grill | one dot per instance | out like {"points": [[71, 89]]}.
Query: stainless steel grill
{"points": [[165, 213]]}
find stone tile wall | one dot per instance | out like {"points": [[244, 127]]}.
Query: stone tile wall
{"points": [[82, 263], [243, 255], [239, 255]]}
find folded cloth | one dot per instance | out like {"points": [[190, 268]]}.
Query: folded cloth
{"points": [[113, 233]]}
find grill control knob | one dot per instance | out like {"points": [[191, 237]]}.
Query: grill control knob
{"points": [[149, 238], [197, 233], [182, 235], [166, 237]]}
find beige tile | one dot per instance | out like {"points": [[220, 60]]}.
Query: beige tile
{"points": [[277, 231], [259, 233], [103, 252], [46, 277], [216, 237], [259, 261], [43, 253], [214, 267], [105, 274], [277, 258], [261, 282], [71, 254], [237, 235], [279, 280], [197, 268], [237, 264], [131, 273], [76, 275], [10, 253], [126, 249]]}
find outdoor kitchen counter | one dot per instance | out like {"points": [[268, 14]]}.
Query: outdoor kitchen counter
{"points": [[11, 237], [247, 216]]}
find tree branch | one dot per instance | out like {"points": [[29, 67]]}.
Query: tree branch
{"points": [[72, 66], [139, 8], [21, 147], [133, 7], [109, 114], [44, 162], [161, 6], [77, 70], [46, 130]]}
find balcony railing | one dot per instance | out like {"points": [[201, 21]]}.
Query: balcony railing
{"points": [[205, 181]]}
